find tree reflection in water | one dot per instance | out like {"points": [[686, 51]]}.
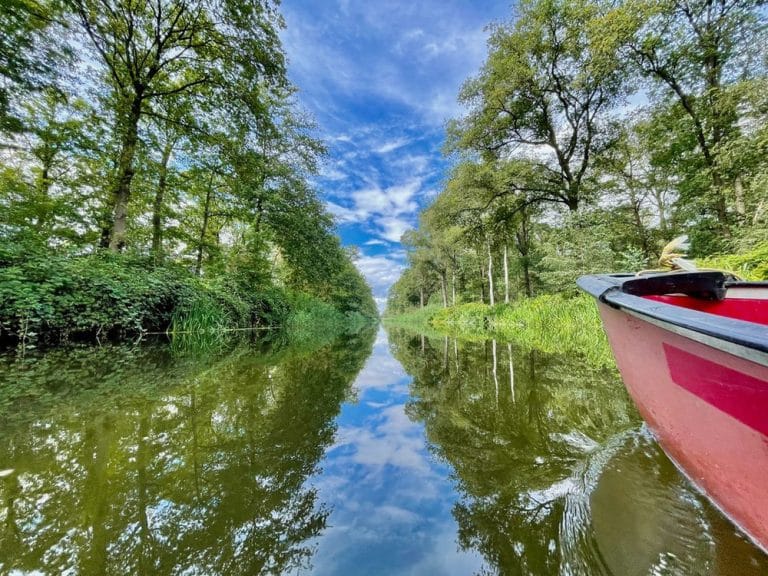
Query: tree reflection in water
{"points": [[555, 472], [141, 461]]}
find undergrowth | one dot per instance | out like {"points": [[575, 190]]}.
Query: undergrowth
{"points": [[51, 298], [551, 323]]}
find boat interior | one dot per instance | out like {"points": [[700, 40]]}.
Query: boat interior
{"points": [[742, 305]]}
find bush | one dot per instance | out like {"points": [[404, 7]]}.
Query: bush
{"points": [[86, 296], [49, 297]]}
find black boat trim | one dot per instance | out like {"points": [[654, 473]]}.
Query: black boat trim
{"points": [[608, 288]]}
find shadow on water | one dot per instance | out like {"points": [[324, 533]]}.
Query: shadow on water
{"points": [[555, 472], [150, 460]]}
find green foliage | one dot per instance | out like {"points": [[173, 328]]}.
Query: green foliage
{"points": [[101, 295], [751, 265], [551, 323], [417, 318], [582, 245], [188, 145], [549, 131]]}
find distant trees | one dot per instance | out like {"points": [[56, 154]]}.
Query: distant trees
{"points": [[596, 131]]}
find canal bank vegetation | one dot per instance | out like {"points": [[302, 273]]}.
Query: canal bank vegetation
{"points": [[551, 323], [595, 133], [155, 175]]}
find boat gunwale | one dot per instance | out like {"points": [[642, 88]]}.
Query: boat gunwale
{"points": [[711, 329]]}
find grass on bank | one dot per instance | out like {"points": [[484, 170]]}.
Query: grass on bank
{"points": [[551, 323], [751, 265]]}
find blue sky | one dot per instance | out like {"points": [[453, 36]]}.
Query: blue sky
{"points": [[381, 79]]}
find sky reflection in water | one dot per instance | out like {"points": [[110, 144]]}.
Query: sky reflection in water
{"points": [[391, 499], [430, 456]]}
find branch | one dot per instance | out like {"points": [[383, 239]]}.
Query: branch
{"points": [[178, 89]]}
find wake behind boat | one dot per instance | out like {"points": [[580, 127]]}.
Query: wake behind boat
{"points": [[692, 349]]}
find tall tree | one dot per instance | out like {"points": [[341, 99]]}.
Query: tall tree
{"points": [[165, 48], [27, 54], [696, 53], [542, 95]]}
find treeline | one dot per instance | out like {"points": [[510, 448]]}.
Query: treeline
{"points": [[167, 133], [595, 133]]}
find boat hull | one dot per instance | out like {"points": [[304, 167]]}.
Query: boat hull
{"points": [[707, 407]]}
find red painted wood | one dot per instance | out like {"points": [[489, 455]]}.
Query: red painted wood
{"points": [[704, 424], [751, 310]]}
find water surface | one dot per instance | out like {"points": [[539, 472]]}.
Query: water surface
{"points": [[376, 454]]}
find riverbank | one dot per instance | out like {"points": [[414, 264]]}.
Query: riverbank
{"points": [[550, 323], [49, 298]]}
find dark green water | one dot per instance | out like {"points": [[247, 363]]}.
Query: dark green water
{"points": [[372, 455]]}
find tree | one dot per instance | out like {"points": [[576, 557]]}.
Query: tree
{"points": [[544, 96], [165, 48], [27, 54], [697, 53]]}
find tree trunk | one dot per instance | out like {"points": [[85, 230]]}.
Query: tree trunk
{"points": [[495, 372], [506, 275], [444, 289], [122, 190], [638, 217], [421, 296], [453, 288], [482, 281], [204, 227], [44, 192], [490, 276], [738, 190], [157, 208], [511, 372], [662, 207], [527, 277]]}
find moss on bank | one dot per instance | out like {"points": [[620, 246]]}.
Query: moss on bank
{"points": [[551, 323]]}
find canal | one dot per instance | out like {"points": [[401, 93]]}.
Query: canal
{"points": [[380, 453]]}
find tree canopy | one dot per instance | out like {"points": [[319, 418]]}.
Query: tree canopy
{"points": [[167, 129], [594, 133]]}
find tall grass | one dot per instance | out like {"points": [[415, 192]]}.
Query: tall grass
{"points": [[416, 318], [201, 315], [311, 319], [751, 265], [551, 323]]}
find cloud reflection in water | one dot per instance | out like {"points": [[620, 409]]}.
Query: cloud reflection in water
{"points": [[391, 499]]}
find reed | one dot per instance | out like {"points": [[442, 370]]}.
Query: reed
{"points": [[416, 318], [202, 315], [750, 265]]}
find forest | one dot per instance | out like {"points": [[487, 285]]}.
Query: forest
{"points": [[596, 132], [156, 173]]}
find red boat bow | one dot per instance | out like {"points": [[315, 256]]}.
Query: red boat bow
{"points": [[695, 360]]}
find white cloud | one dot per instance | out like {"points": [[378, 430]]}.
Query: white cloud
{"points": [[342, 215], [394, 200], [391, 146], [381, 78], [415, 53], [391, 228], [380, 272]]}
